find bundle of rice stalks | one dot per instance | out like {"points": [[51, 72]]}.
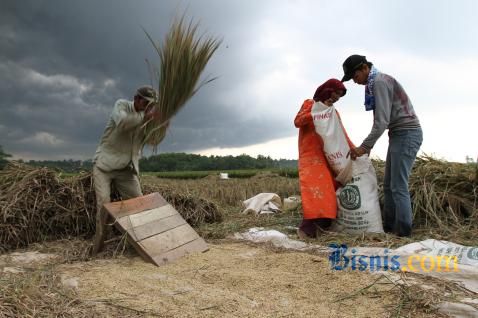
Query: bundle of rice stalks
{"points": [[444, 195], [195, 210], [183, 57], [36, 205]]}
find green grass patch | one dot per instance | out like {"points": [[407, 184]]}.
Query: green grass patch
{"points": [[179, 174], [237, 174], [288, 172]]}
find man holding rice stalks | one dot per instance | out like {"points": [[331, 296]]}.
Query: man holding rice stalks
{"points": [[117, 156], [392, 110], [183, 56]]}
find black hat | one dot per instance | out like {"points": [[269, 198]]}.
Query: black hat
{"points": [[351, 64]]}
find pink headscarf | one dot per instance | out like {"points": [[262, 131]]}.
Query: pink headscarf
{"points": [[325, 90]]}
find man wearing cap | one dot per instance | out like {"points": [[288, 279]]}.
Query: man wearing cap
{"points": [[393, 110], [117, 156]]}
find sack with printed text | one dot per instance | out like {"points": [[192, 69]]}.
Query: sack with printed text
{"points": [[358, 205]]}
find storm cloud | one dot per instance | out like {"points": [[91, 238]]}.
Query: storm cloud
{"points": [[63, 63]]}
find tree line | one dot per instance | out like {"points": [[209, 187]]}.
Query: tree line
{"points": [[192, 162], [171, 162], [3, 158]]}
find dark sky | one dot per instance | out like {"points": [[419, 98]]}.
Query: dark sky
{"points": [[63, 64]]}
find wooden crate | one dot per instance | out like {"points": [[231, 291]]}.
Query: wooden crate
{"points": [[157, 231]]}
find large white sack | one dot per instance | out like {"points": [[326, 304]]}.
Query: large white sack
{"points": [[327, 125], [262, 203], [358, 205], [357, 201]]}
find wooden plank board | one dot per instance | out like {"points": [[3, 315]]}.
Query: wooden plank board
{"points": [[145, 217], [163, 242], [159, 226], [156, 230], [195, 246], [136, 205]]}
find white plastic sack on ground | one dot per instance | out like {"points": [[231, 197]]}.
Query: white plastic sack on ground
{"points": [[440, 259], [278, 239], [457, 310], [443, 259], [357, 201], [263, 203], [465, 254], [358, 206], [291, 203]]}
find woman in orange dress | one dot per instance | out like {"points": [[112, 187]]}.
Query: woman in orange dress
{"points": [[317, 183]]}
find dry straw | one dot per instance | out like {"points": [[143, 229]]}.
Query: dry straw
{"points": [[196, 210], [37, 205], [183, 57], [444, 198], [41, 293]]}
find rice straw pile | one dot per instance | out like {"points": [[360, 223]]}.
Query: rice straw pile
{"points": [[183, 57], [37, 205], [444, 196], [195, 210]]}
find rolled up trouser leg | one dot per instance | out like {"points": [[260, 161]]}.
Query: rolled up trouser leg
{"points": [[102, 182]]}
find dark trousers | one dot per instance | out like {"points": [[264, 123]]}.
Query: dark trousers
{"points": [[313, 226]]}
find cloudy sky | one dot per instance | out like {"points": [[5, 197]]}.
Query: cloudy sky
{"points": [[63, 63]]}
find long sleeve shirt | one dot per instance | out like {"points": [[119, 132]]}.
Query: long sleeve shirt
{"points": [[393, 109], [122, 141]]}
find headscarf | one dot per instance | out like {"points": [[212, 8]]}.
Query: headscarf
{"points": [[325, 90]]}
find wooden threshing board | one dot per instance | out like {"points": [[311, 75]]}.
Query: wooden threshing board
{"points": [[155, 228]]}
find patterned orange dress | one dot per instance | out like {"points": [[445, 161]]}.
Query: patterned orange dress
{"points": [[317, 183]]}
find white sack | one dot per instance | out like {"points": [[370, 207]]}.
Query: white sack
{"points": [[357, 201], [358, 205], [328, 126], [419, 256], [262, 203]]}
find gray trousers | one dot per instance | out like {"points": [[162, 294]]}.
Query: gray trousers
{"points": [[126, 181]]}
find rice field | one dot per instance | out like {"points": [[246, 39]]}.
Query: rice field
{"points": [[235, 174], [46, 211], [38, 204]]}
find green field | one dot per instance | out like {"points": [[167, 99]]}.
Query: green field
{"points": [[237, 174]]}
